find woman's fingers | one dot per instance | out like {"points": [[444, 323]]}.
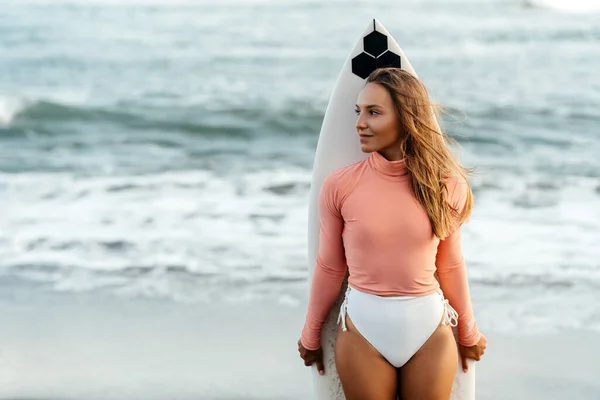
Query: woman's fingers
{"points": [[320, 366], [474, 352], [312, 356]]}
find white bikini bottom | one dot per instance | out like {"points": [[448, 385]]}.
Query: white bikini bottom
{"points": [[396, 326]]}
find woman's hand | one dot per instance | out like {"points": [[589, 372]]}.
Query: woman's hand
{"points": [[312, 356], [474, 352]]}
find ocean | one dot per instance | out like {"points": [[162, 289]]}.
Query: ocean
{"points": [[163, 150]]}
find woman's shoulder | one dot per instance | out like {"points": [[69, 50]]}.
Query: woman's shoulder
{"points": [[456, 184], [457, 188], [344, 179], [348, 174]]}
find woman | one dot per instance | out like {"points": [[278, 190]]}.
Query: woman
{"points": [[393, 221]]}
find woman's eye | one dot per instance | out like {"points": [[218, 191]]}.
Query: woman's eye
{"points": [[374, 112], [357, 112]]}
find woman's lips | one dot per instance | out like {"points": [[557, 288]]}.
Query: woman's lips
{"points": [[365, 137]]}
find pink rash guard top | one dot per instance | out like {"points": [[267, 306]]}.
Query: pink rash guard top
{"points": [[372, 226]]}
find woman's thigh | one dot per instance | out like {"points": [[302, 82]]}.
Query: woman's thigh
{"points": [[429, 374], [364, 373]]}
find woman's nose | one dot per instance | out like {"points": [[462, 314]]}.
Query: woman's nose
{"points": [[361, 123]]}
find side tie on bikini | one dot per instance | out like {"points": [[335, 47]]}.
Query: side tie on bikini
{"points": [[343, 311], [450, 316]]}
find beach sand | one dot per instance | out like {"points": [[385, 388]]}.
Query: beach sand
{"points": [[84, 346]]}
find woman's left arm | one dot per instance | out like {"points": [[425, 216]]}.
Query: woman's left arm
{"points": [[452, 272]]}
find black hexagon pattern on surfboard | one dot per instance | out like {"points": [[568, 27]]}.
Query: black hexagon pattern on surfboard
{"points": [[375, 55]]}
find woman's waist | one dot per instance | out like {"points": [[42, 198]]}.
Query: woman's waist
{"points": [[399, 284], [396, 292]]}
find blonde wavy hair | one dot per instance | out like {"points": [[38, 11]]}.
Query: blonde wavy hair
{"points": [[429, 160]]}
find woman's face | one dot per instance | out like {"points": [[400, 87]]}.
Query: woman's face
{"points": [[377, 122]]}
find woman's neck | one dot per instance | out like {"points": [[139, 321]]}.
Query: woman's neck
{"points": [[392, 154]]}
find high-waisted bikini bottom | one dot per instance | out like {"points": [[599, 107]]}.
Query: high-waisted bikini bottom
{"points": [[396, 326]]}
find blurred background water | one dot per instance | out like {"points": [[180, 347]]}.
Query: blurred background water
{"points": [[163, 149]]}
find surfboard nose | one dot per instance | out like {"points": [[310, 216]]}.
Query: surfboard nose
{"points": [[376, 54]]}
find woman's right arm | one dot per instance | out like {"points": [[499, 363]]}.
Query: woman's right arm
{"points": [[331, 267]]}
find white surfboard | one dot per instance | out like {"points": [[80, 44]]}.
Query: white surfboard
{"points": [[338, 147]]}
